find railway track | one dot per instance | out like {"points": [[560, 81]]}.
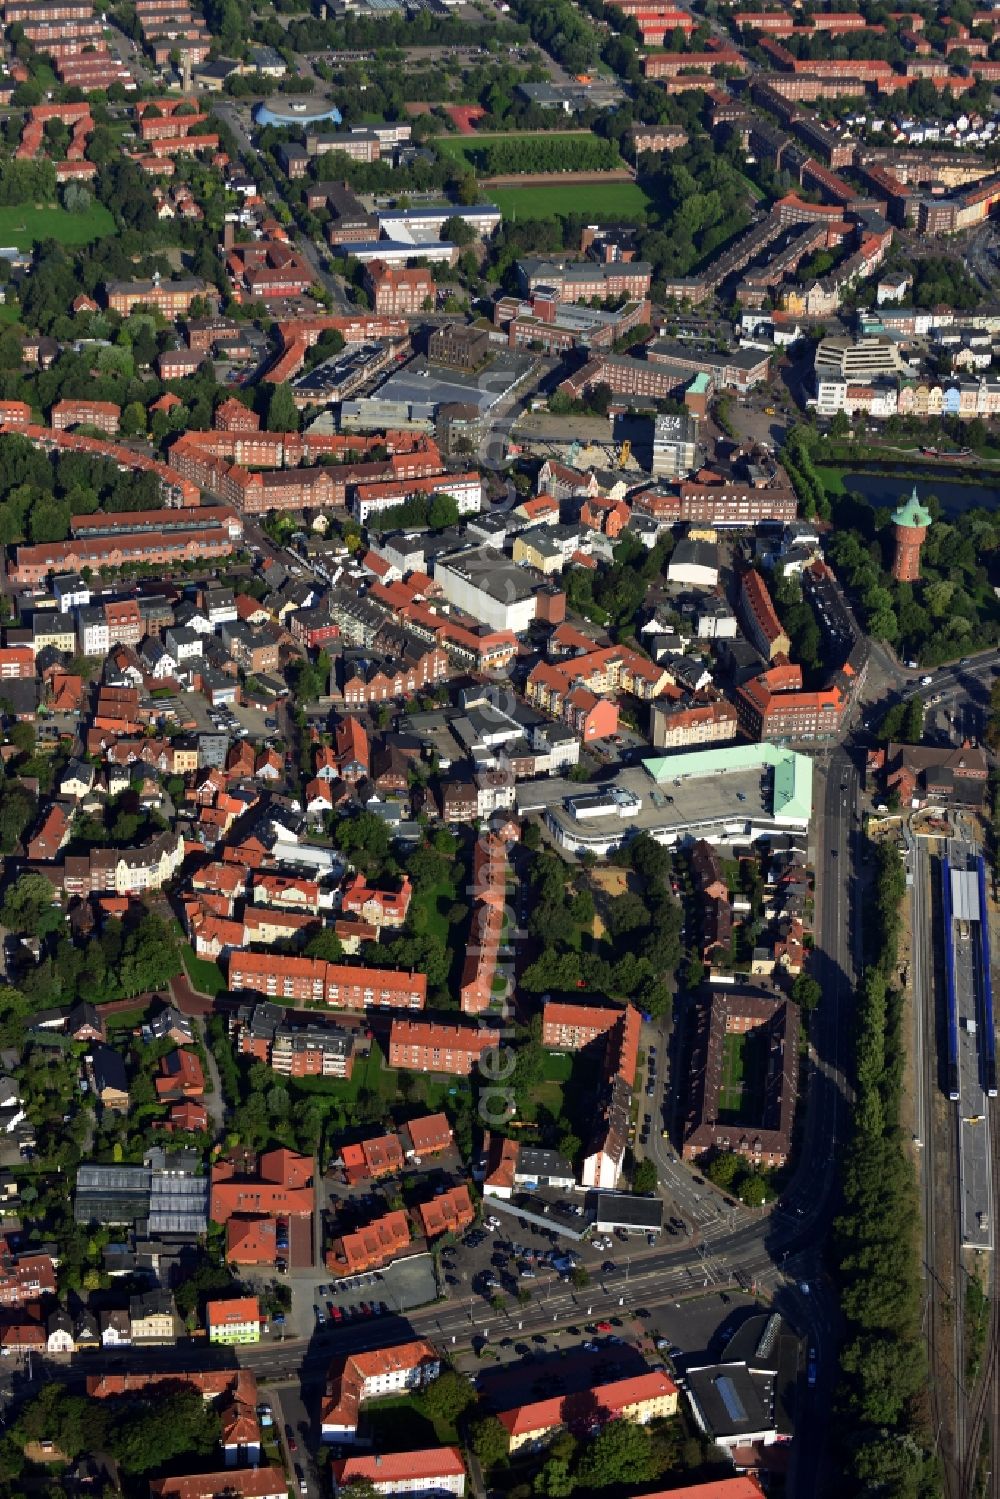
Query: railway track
{"points": [[982, 1410], [939, 1183]]}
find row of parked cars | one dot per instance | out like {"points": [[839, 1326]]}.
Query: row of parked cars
{"points": [[337, 1314]]}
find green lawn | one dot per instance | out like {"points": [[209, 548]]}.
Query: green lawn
{"points": [[832, 479], [437, 900], [612, 199], [205, 976], [127, 1020], [9, 312], [744, 1074], [403, 1423], [557, 1067], [23, 224], [368, 1072]]}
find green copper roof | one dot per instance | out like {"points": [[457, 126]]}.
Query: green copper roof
{"points": [[911, 512], [792, 772]]}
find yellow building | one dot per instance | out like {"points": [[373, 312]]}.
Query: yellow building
{"points": [[645, 1397]]}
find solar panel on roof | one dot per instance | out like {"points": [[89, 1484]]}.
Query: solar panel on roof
{"points": [[730, 1398]]}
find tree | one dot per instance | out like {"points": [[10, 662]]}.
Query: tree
{"points": [[806, 991], [722, 1169], [644, 1178], [282, 412], [753, 1190], [619, 1456], [489, 1442], [626, 913], [28, 907], [133, 422], [448, 1397], [326, 945], [458, 231]]}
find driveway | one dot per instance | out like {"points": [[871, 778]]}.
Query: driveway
{"points": [[215, 1101]]}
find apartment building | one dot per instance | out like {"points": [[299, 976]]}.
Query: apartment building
{"points": [[124, 548], [450, 1212], [569, 1027], [455, 1050], [104, 416], [366, 1376], [640, 1399], [368, 682], [378, 907], [732, 504], [304, 980], [125, 871], [775, 713], [677, 726], [767, 1140], [759, 619], [373, 1160], [418, 1474], [672, 64], [267, 1482], [466, 489], [429, 1135], [479, 971]]}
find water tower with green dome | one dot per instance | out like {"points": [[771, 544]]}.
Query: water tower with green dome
{"points": [[910, 521]]}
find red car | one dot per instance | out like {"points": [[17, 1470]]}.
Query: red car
{"points": [[604, 1327]]}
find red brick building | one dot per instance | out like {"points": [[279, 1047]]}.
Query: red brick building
{"points": [[421, 1046], [301, 980], [104, 415], [398, 291]]}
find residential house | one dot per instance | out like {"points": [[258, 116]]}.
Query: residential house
{"points": [[449, 1212], [59, 1332], [152, 1317], [236, 1320], [429, 1135]]}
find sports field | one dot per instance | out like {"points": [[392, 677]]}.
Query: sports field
{"points": [[611, 199], [744, 1074], [23, 225]]}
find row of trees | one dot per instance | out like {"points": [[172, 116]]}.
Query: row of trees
{"points": [[436, 511], [619, 1456], [39, 492], [880, 1403], [544, 153]]}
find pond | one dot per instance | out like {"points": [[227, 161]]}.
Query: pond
{"points": [[887, 489]]}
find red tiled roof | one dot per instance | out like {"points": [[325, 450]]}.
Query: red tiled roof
{"points": [[236, 1309], [606, 1400], [387, 1467], [429, 1133], [240, 1483]]}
